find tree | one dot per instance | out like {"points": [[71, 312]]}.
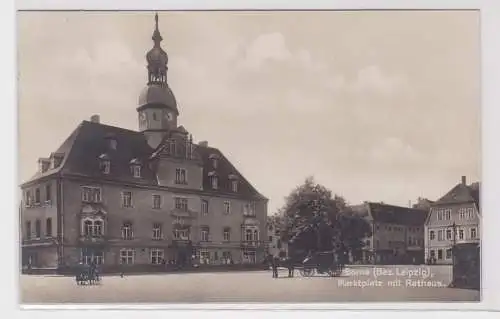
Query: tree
{"points": [[314, 220]]}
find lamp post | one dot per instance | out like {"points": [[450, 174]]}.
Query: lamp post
{"points": [[454, 241]]}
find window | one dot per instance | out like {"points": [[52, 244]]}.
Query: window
{"points": [[91, 194], [460, 234], [156, 256], [173, 149], [270, 238], [440, 235], [214, 163], [368, 243], [227, 234], [90, 256], [227, 207], [181, 234], [256, 235], [136, 171], [204, 207], [28, 230], [473, 233], [214, 181], [48, 192], [93, 228], [470, 213], [204, 256], [248, 235], [156, 201], [440, 254], [432, 235], [249, 209], [154, 116], [448, 234], [28, 199], [226, 257], [38, 228], [448, 253], [37, 196], [105, 166], [448, 214], [433, 254], [180, 176], [461, 213], [127, 199], [234, 186], [181, 203], [48, 227], [113, 144], [127, 232], [205, 233], [127, 256], [157, 233]]}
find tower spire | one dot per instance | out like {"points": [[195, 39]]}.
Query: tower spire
{"points": [[157, 59]]}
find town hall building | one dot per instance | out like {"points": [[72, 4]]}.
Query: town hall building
{"points": [[124, 198]]}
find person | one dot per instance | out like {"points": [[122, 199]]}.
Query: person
{"points": [[290, 267], [275, 264]]}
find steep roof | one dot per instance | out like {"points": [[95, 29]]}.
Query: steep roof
{"points": [[461, 193], [390, 214], [91, 140]]}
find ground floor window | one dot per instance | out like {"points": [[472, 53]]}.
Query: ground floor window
{"points": [[440, 254], [204, 256], [249, 257], [433, 254], [448, 253], [92, 256], [157, 256], [127, 256]]}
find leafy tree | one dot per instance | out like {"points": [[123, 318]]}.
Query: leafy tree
{"points": [[314, 220]]}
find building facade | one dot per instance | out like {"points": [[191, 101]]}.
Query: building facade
{"points": [[453, 219], [124, 198], [276, 245], [397, 234]]}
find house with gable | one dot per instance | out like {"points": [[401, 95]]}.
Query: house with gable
{"points": [[453, 219]]}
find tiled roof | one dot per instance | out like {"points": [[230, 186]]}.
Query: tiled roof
{"points": [[390, 214], [90, 140], [461, 193]]}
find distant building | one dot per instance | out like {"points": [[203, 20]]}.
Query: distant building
{"points": [[397, 234], [454, 218], [423, 203], [276, 245], [124, 198]]}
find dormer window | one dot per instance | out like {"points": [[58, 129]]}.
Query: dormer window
{"points": [[135, 167], [56, 159], [44, 164], [214, 180], [104, 164], [113, 144], [234, 182], [215, 159]]}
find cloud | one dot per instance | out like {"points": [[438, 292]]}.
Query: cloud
{"points": [[394, 151], [372, 79]]}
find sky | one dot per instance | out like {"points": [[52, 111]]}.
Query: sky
{"points": [[376, 105]]}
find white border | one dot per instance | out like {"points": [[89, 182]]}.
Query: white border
{"points": [[490, 24]]}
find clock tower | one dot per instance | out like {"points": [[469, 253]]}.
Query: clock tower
{"points": [[157, 108]]}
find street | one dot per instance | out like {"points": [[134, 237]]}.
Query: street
{"points": [[357, 284]]}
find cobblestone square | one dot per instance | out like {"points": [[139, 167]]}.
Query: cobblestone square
{"points": [[357, 284]]}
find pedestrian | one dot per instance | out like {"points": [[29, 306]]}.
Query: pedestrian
{"points": [[275, 263], [290, 266]]}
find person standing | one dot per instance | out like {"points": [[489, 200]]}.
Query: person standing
{"points": [[275, 264]]}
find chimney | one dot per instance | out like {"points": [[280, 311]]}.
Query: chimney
{"points": [[95, 118], [464, 180], [203, 143]]}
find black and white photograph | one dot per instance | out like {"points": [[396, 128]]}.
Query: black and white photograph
{"points": [[198, 157]]}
